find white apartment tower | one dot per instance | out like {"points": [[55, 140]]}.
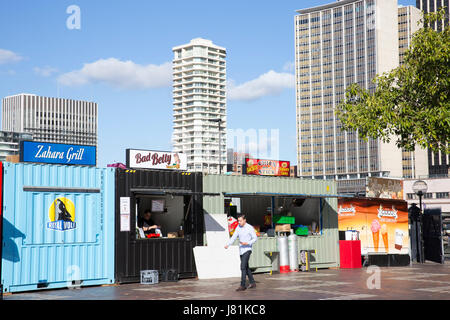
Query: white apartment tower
{"points": [[337, 44], [54, 120], [199, 105]]}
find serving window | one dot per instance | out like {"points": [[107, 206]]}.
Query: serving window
{"points": [[269, 215], [161, 216]]}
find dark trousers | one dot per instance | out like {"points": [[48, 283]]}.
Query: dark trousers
{"points": [[245, 270]]}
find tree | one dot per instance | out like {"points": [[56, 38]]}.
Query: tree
{"points": [[410, 103]]}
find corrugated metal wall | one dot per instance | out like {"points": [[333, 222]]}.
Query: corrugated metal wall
{"points": [[327, 244], [37, 256], [134, 255]]}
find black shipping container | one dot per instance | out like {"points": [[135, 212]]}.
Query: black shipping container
{"points": [[133, 254]]}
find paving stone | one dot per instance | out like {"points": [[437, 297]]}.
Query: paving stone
{"points": [[420, 281]]}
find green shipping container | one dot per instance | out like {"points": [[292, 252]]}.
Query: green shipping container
{"points": [[326, 244]]}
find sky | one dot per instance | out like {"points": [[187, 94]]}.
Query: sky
{"points": [[120, 57]]}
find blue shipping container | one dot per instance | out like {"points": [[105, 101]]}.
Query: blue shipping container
{"points": [[58, 226]]}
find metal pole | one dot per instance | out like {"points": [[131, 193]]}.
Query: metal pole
{"points": [[420, 226], [220, 153], [272, 212], [417, 239]]}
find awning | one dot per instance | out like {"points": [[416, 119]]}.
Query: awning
{"points": [[281, 195], [162, 192]]}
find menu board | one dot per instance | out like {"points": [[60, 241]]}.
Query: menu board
{"points": [[157, 205]]}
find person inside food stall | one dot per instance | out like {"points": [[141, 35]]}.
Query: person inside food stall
{"points": [[147, 224]]}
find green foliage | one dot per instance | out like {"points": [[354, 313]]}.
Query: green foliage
{"points": [[410, 103]]}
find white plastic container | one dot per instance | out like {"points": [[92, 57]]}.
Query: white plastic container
{"points": [[348, 235]]}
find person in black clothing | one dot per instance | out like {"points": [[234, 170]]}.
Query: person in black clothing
{"points": [[147, 224]]}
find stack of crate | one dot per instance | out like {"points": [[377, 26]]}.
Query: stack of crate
{"points": [[283, 223]]}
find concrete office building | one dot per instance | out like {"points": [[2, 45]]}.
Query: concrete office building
{"points": [[199, 105], [415, 164], [236, 161], [408, 24], [10, 143], [433, 6], [338, 44], [439, 162], [54, 120]]}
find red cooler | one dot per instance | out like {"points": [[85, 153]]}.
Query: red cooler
{"points": [[350, 254]]}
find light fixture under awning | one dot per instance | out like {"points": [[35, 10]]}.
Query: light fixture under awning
{"points": [[290, 195], [181, 192]]}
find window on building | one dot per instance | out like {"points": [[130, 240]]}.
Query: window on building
{"points": [[442, 195], [411, 196]]}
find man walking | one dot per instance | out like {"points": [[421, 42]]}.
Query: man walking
{"points": [[247, 237]]}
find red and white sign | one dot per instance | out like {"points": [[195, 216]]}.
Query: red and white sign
{"points": [[261, 167], [147, 159]]}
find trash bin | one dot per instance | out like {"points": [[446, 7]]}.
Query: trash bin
{"points": [[350, 254]]}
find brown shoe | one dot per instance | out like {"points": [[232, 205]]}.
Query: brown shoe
{"points": [[241, 288], [252, 286]]}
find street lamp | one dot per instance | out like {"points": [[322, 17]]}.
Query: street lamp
{"points": [[420, 188], [219, 121]]}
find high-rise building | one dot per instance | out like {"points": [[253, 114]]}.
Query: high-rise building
{"points": [[55, 120], [337, 44], [433, 6], [236, 161], [10, 143], [415, 164], [199, 105], [438, 162], [408, 24]]}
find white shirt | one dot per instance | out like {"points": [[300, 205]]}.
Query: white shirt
{"points": [[246, 234]]}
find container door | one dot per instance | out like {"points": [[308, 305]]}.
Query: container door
{"points": [[432, 235], [61, 218]]}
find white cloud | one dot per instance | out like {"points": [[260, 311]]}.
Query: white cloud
{"points": [[269, 84], [289, 66], [121, 74], [45, 71], [7, 56]]}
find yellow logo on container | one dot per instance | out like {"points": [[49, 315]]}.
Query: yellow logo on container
{"points": [[62, 215]]}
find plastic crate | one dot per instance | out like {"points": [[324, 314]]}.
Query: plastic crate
{"points": [[149, 276], [302, 231], [170, 275], [283, 219]]}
